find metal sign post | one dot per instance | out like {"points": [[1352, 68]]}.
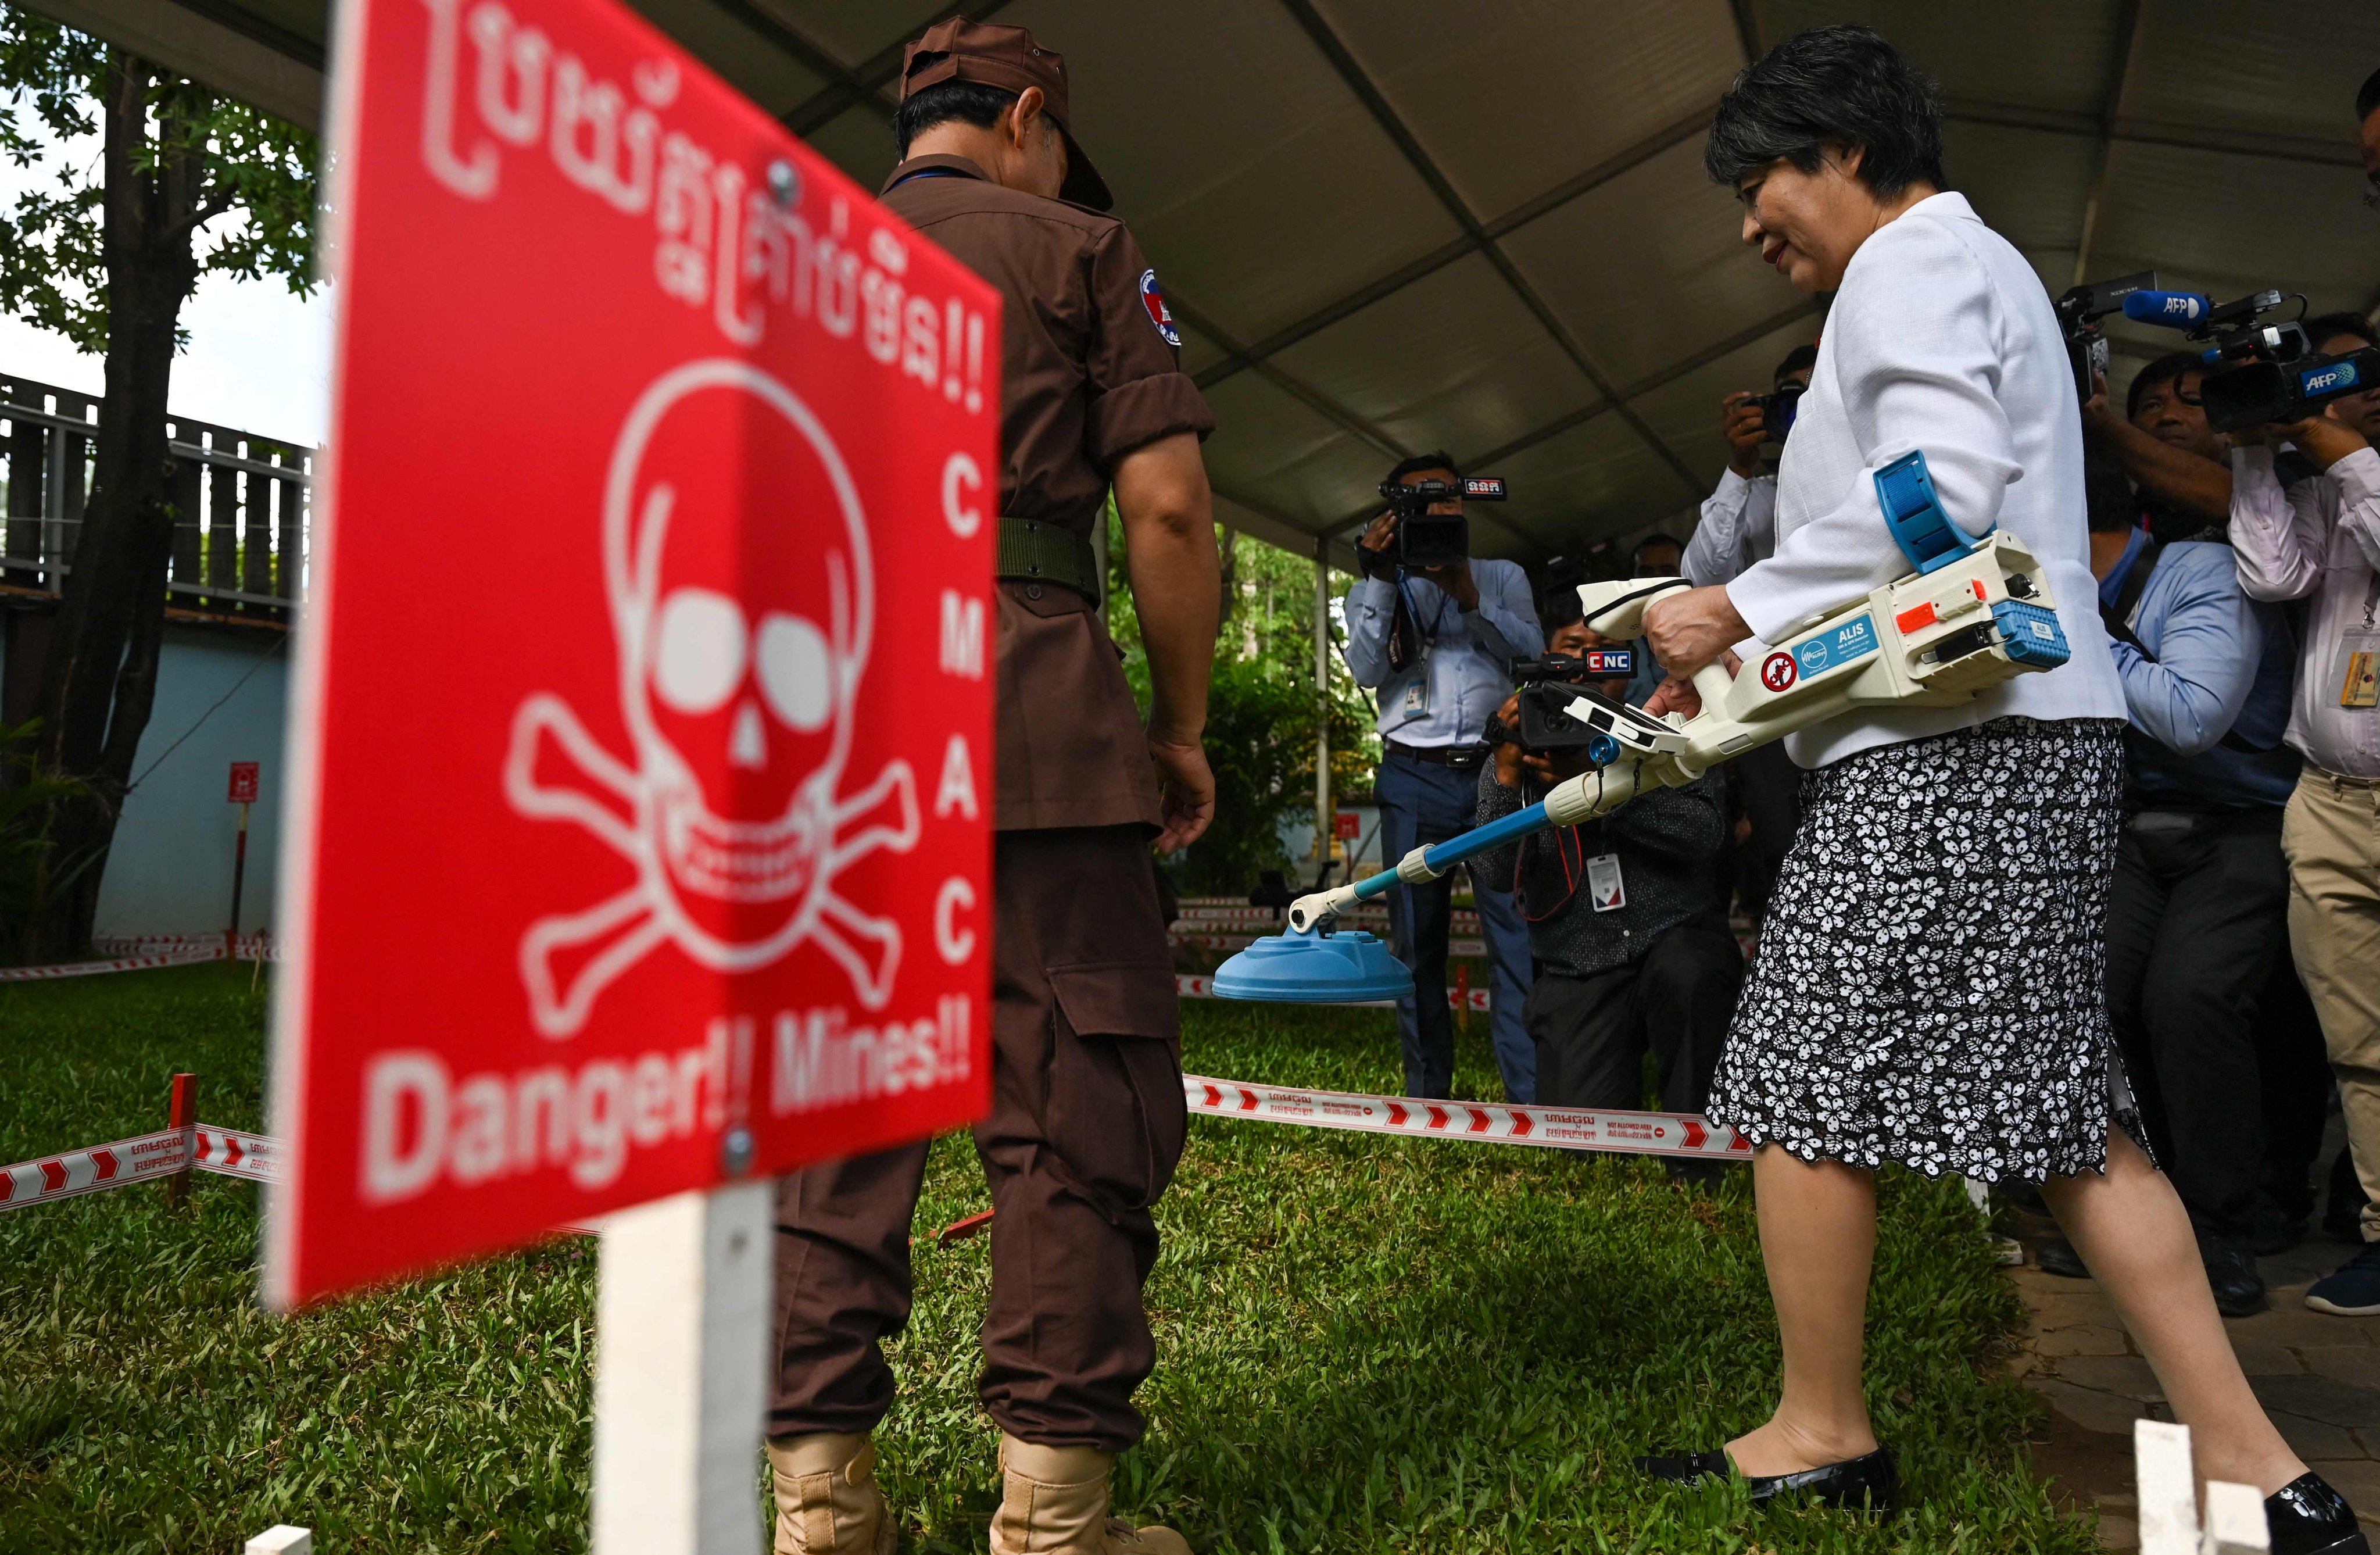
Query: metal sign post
{"points": [[243, 794]]}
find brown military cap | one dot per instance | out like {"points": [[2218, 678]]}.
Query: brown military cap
{"points": [[1006, 57]]}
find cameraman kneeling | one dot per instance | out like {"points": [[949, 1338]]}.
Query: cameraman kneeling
{"points": [[1630, 937]]}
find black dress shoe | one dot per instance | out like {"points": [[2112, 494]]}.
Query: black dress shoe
{"points": [[2231, 1275], [1867, 1483], [2307, 1517], [2059, 1257]]}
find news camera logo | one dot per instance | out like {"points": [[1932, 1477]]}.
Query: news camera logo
{"points": [[2327, 380], [736, 683]]}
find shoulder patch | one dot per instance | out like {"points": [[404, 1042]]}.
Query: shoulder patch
{"points": [[1153, 299]]}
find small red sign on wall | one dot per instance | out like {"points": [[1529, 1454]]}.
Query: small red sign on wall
{"points": [[1350, 826], [243, 782]]}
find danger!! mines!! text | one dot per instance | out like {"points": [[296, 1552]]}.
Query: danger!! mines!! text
{"points": [[421, 1123], [722, 239]]}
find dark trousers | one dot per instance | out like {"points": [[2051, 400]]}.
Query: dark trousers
{"points": [[1768, 789], [1086, 1124], [1423, 802], [2196, 922], [2295, 1074], [1592, 1033]]}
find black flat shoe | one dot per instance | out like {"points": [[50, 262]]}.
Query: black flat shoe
{"points": [[2307, 1517], [1867, 1483]]}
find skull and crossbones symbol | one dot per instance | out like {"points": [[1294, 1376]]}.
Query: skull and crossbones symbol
{"points": [[741, 609]]}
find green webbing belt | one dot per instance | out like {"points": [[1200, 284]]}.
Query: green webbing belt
{"points": [[1044, 553]]}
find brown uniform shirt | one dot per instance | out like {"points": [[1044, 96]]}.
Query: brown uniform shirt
{"points": [[1087, 375]]}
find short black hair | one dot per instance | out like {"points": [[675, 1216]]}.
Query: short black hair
{"points": [[1830, 87], [952, 101], [1636, 551], [2165, 369], [1439, 460], [2367, 97], [2107, 494], [2330, 326], [1800, 358]]}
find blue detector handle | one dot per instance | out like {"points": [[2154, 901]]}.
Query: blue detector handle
{"points": [[1915, 515]]}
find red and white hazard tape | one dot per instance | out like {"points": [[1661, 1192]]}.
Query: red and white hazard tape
{"points": [[147, 951], [1652, 1134], [185, 957], [205, 1147], [1193, 987]]}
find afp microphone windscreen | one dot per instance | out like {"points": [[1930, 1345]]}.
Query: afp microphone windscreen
{"points": [[2173, 310]]}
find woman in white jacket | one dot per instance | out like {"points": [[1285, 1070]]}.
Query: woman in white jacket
{"points": [[1929, 984]]}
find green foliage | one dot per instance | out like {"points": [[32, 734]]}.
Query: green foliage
{"points": [[53, 266], [1363, 1344], [28, 878], [1262, 712]]}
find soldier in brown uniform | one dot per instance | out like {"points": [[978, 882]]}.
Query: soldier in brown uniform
{"points": [[1087, 1116]]}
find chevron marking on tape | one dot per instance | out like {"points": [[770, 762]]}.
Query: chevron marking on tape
{"points": [[102, 1166], [1657, 1133]]}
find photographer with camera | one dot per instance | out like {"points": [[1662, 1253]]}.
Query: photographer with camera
{"points": [[1738, 520], [2164, 442], [2319, 540], [1628, 927], [1433, 633], [1738, 529]]}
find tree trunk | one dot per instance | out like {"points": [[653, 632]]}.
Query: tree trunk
{"points": [[100, 676]]}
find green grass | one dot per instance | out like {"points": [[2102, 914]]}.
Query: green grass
{"points": [[1364, 1344]]}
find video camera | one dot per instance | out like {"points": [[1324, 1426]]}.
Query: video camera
{"points": [[1549, 692], [1435, 540], [2078, 312], [2277, 376]]}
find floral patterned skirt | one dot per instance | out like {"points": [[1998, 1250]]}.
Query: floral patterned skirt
{"points": [[1930, 983]]}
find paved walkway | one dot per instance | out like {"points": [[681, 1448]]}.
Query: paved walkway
{"points": [[2317, 1375]]}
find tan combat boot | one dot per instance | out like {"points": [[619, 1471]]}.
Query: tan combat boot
{"points": [[827, 1498], [1054, 1500]]}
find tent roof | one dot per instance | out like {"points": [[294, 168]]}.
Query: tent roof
{"points": [[1391, 226]]}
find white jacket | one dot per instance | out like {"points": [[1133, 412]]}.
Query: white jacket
{"points": [[1941, 340]]}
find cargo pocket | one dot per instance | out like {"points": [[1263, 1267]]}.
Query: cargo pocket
{"points": [[1115, 1113]]}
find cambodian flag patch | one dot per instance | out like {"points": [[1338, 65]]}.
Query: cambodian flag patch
{"points": [[1153, 301]]}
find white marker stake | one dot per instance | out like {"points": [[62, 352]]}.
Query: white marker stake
{"points": [[282, 1539], [681, 1368], [2168, 1490], [2235, 1520]]}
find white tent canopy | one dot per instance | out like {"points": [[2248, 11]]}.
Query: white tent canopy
{"points": [[1391, 226]]}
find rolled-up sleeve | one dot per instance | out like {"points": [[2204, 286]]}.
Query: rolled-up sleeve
{"points": [[1738, 523], [1138, 390], [2275, 535], [1918, 357], [1370, 606], [2208, 647]]}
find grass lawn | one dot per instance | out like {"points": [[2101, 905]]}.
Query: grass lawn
{"points": [[1364, 1344]]}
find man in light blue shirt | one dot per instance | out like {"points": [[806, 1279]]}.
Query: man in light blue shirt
{"points": [[2198, 916], [1436, 646]]}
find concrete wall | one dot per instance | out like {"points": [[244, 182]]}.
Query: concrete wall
{"points": [[170, 872]]}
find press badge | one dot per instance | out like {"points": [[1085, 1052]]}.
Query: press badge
{"points": [[2356, 671], [1418, 695], [1603, 887]]}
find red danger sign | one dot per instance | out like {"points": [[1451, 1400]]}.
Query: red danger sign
{"points": [[1777, 672], [701, 887], [243, 782]]}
